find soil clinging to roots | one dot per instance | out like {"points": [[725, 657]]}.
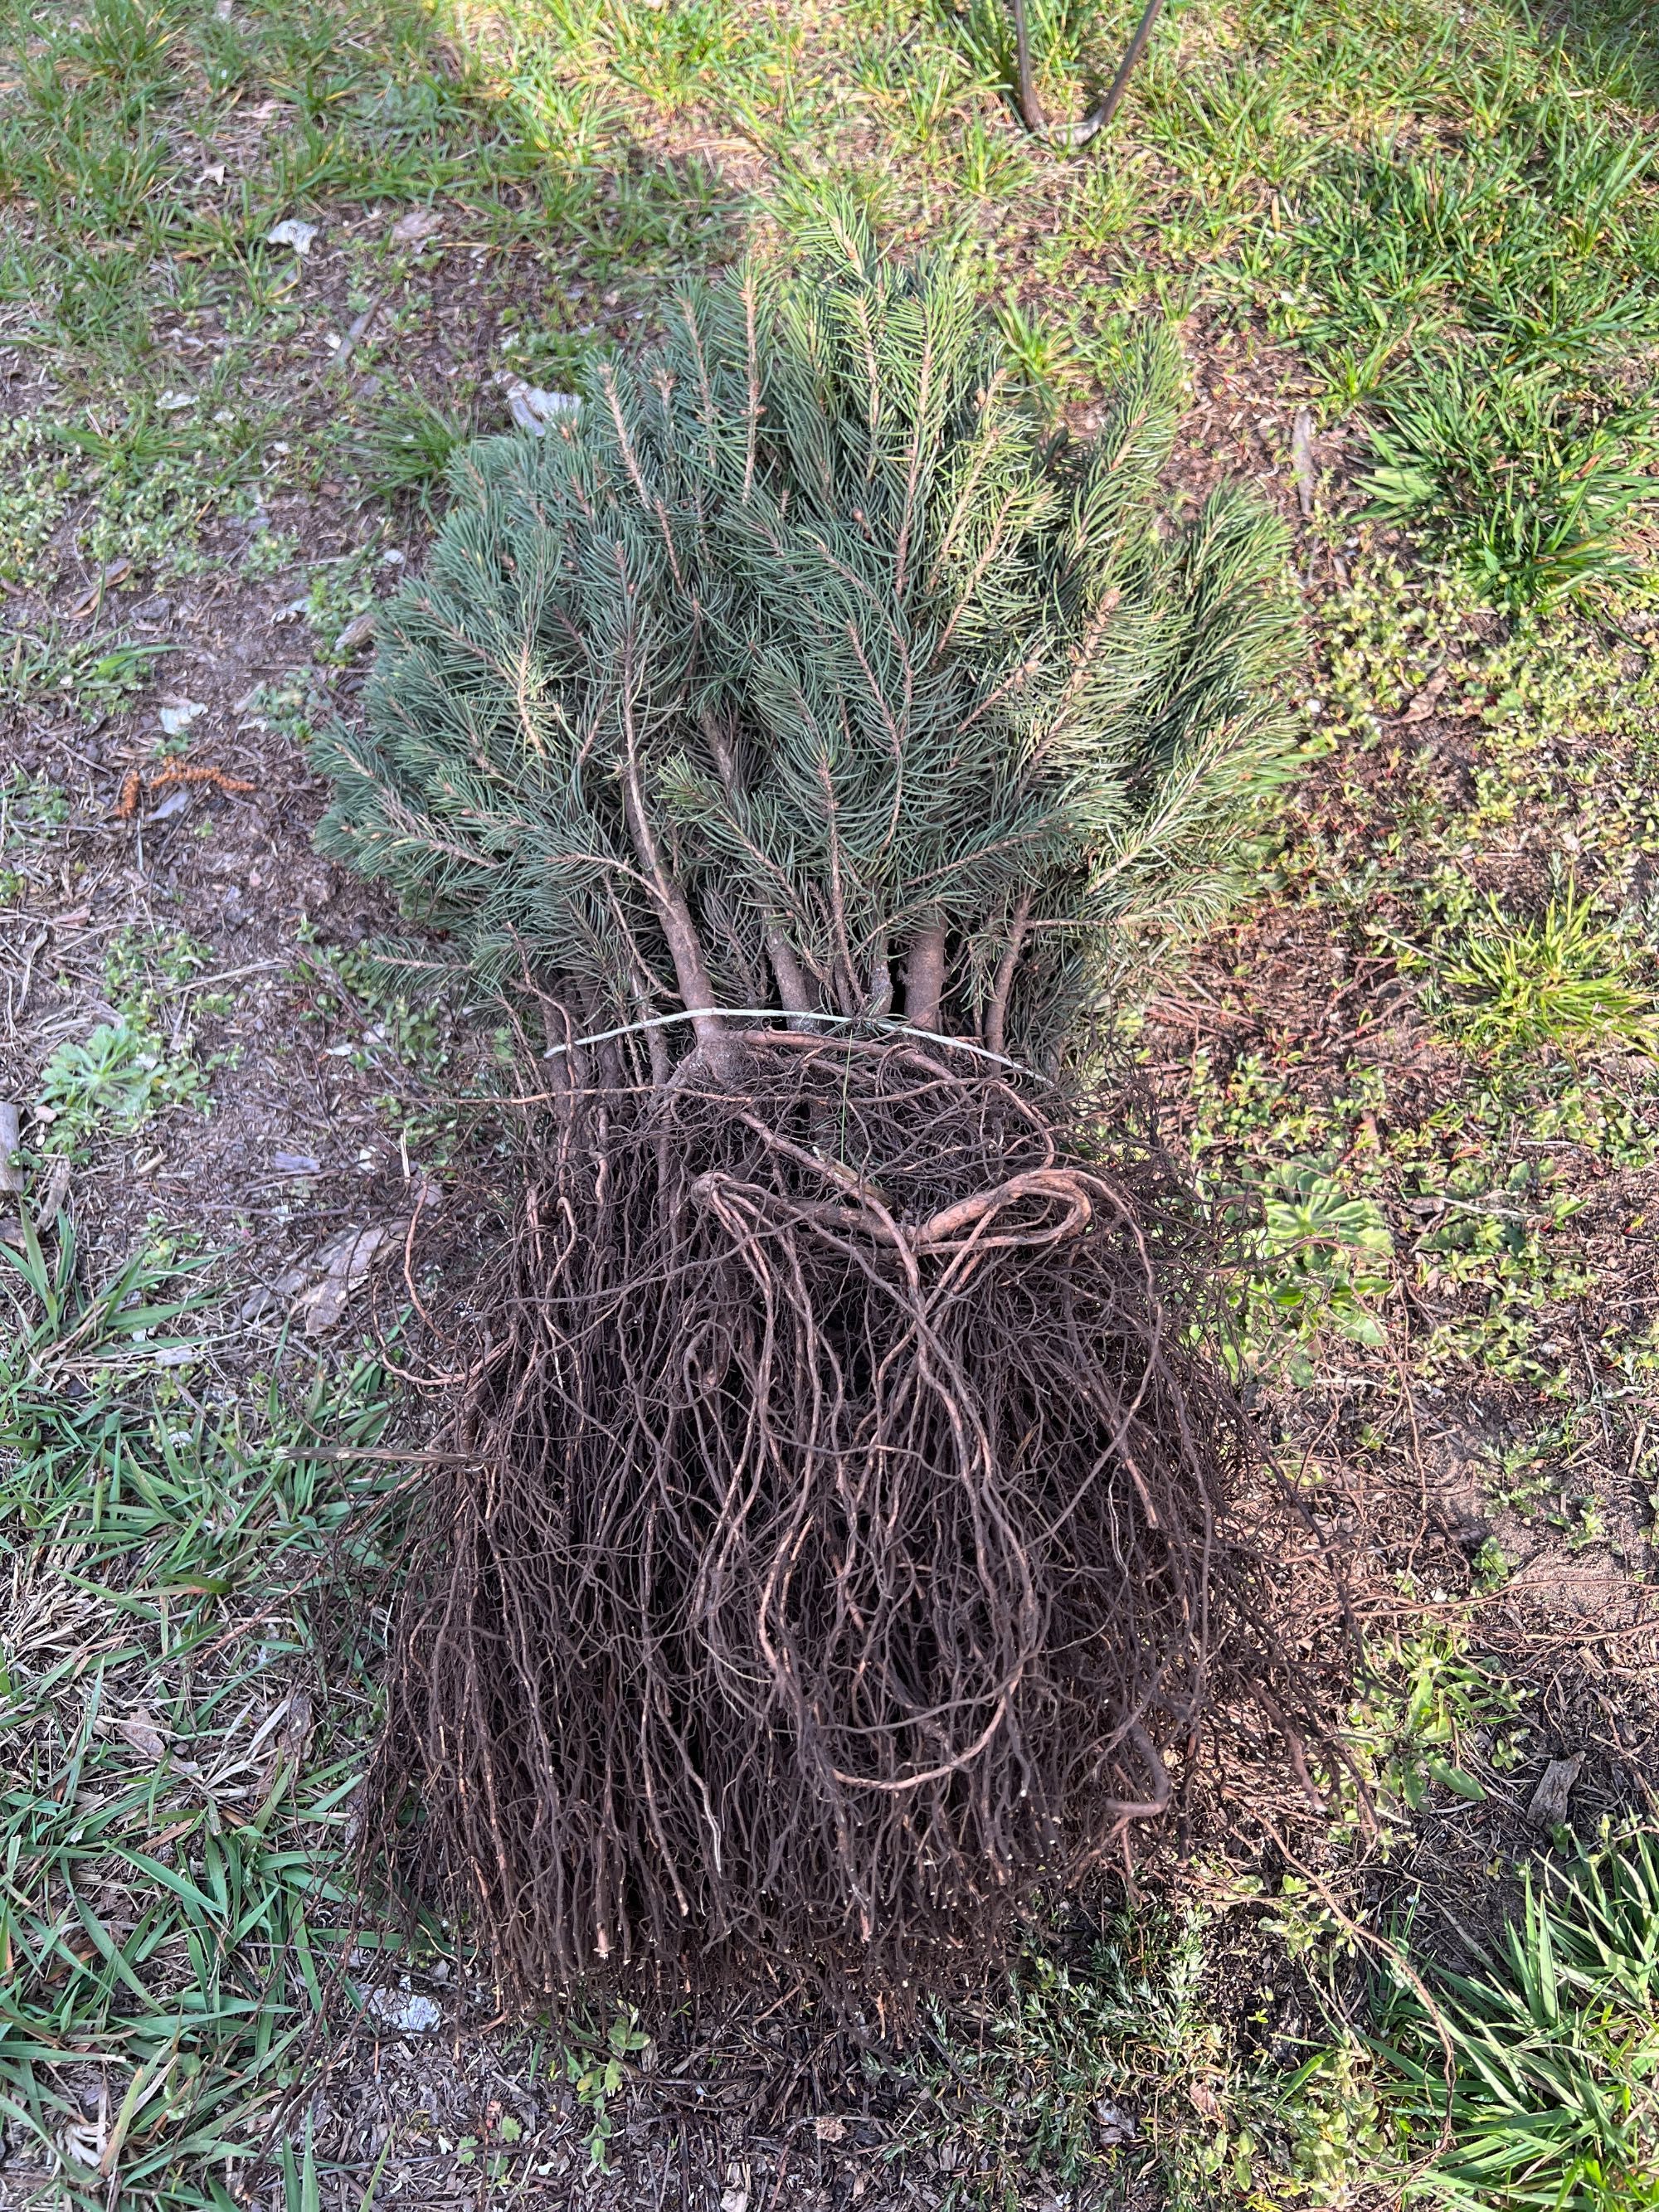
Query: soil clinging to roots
{"points": [[836, 1547]]}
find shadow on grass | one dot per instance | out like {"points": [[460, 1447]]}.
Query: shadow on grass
{"points": [[1612, 44], [149, 146]]}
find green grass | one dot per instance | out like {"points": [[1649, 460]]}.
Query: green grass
{"points": [[408, 447], [1454, 224], [1125, 2054], [1553, 2046], [1462, 245], [1564, 979], [1434, 1716], [141, 1064], [90, 676], [1129, 2055], [1527, 489], [177, 1745]]}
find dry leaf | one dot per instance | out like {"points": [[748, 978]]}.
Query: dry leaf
{"points": [[1422, 702], [292, 232], [408, 2011], [1302, 458], [11, 1137], [1548, 1807], [1205, 2100], [82, 2142], [295, 1732], [416, 227], [139, 1731], [346, 1260], [52, 1194]]}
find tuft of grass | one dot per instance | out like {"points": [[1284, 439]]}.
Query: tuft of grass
{"points": [[1115, 2071], [1456, 233], [1562, 981], [90, 676], [1554, 2105], [1039, 352], [35, 478], [408, 448], [1525, 488], [143, 1061], [676, 56], [154, 491]]}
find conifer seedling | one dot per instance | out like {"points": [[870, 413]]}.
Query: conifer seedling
{"points": [[837, 1546]]}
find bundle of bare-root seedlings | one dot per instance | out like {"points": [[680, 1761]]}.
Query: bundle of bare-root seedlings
{"points": [[836, 1543]]}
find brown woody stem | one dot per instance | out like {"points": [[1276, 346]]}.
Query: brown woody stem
{"points": [[923, 977], [996, 1017], [793, 990]]}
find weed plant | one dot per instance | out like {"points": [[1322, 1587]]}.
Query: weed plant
{"points": [[117, 1080], [1058, 2076], [1562, 981]]}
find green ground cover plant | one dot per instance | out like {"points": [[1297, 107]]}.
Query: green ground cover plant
{"points": [[117, 1077], [141, 1063]]}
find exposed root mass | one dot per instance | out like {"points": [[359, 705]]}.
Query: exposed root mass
{"points": [[837, 1546]]}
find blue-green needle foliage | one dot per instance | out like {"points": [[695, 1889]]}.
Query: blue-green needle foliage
{"points": [[809, 668]]}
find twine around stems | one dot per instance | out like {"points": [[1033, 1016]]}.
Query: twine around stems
{"points": [[798, 1024]]}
